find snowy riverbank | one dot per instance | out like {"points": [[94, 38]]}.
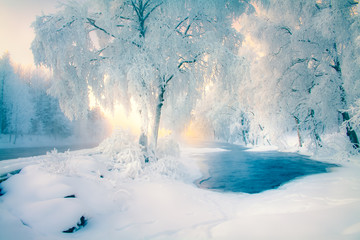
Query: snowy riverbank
{"points": [[160, 201]]}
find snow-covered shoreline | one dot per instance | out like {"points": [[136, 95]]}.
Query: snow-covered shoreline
{"points": [[164, 203]]}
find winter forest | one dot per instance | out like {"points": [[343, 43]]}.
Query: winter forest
{"points": [[28, 110], [281, 75], [245, 72]]}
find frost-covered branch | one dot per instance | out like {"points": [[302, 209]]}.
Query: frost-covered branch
{"points": [[287, 29], [66, 25], [181, 22], [148, 14], [92, 23], [140, 8], [186, 61], [194, 60]]}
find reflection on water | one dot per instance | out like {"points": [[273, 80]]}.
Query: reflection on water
{"points": [[238, 170]]}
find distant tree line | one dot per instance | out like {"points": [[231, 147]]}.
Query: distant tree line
{"points": [[27, 109]]}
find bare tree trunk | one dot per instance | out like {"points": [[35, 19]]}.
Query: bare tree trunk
{"points": [[143, 141], [164, 81], [298, 130], [244, 137], [2, 107], [314, 131], [349, 131], [158, 115]]}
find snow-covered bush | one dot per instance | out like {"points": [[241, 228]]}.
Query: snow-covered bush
{"points": [[56, 162], [117, 158], [167, 163], [70, 164], [124, 154], [125, 157]]}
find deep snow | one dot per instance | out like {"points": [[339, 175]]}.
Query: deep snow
{"points": [[160, 201]]}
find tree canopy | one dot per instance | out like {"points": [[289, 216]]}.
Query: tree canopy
{"points": [[157, 53]]}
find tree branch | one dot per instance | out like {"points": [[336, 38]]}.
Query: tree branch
{"points": [[287, 29], [66, 25], [147, 15], [92, 23], [169, 79], [146, 4], [136, 8], [181, 22], [187, 29], [188, 61]]}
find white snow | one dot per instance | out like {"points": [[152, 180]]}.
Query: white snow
{"points": [[262, 149], [160, 201]]}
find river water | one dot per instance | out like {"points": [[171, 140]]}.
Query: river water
{"points": [[239, 170], [12, 153]]}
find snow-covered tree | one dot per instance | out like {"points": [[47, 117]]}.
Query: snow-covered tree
{"points": [[295, 51], [27, 109], [15, 106], [5, 71], [158, 53]]}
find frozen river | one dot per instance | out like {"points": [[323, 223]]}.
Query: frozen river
{"points": [[240, 170]]}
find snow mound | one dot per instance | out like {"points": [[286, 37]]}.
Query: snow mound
{"points": [[39, 199]]}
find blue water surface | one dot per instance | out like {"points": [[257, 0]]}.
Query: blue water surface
{"points": [[22, 152], [238, 170]]}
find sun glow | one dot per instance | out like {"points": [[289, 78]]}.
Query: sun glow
{"points": [[249, 43], [259, 10], [193, 131], [255, 45], [163, 132], [119, 117]]}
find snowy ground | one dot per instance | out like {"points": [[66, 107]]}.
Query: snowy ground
{"points": [[160, 201]]}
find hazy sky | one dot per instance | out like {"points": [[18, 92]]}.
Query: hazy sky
{"points": [[16, 34]]}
